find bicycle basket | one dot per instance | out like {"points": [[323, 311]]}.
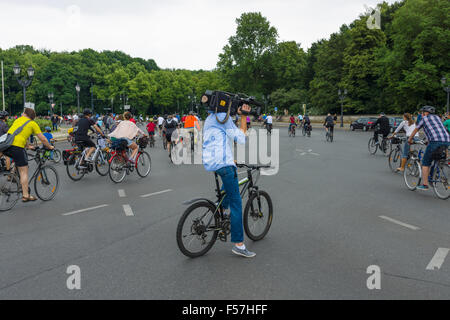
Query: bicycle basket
{"points": [[119, 145], [439, 154], [143, 142], [396, 141]]}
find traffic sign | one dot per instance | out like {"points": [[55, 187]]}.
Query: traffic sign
{"points": [[127, 107]]}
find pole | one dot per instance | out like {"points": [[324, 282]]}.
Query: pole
{"points": [[24, 95], [78, 102], [3, 89], [61, 109], [342, 114]]}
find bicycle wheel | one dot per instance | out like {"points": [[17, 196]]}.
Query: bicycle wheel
{"points": [[143, 164], [56, 157], [441, 181], [102, 164], [373, 147], [412, 174], [304, 132], [73, 169], [117, 170], [394, 160], [9, 191], [46, 183], [258, 215], [198, 229]]}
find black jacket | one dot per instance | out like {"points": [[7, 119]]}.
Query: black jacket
{"points": [[384, 124]]}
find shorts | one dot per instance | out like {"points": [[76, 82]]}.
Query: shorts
{"points": [[432, 147], [86, 143], [151, 133], [18, 155], [160, 127], [169, 136]]}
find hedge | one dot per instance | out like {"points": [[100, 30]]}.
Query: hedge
{"points": [[41, 123]]}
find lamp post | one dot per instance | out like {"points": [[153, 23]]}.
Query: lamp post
{"points": [[77, 88], [24, 82], [446, 89], [342, 96], [50, 98]]}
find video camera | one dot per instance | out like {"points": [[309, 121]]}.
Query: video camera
{"points": [[225, 102]]}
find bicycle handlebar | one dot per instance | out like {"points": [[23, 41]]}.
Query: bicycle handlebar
{"points": [[242, 165]]}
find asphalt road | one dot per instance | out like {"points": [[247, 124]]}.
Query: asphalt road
{"points": [[327, 231]]}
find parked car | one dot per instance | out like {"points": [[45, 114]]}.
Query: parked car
{"points": [[398, 121], [364, 124]]}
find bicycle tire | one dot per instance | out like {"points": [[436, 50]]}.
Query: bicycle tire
{"points": [[117, 165], [43, 175], [9, 191], [393, 160], [56, 156], [251, 215], [412, 174], [141, 157], [304, 132], [373, 147], [184, 219], [78, 174], [102, 164], [442, 174]]}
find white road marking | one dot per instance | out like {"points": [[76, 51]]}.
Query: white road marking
{"points": [[122, 193], [156, 193], [128, 210], [304, 152], [438, 259], [85, 210], [400, 223]]}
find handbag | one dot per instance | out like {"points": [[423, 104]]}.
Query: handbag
{"points": [[7, 139]]}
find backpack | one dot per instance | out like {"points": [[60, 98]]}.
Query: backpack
{"points": [[7, 139]]}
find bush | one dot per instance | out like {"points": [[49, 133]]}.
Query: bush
{"points": [[41, 123]]}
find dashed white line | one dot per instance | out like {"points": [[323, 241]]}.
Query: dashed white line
{"points": [[128, 210], [122, 193], [156, 193], [438, 259], [400, 223], [85, 210]]}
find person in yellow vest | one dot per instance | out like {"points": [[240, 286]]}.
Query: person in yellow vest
{"points": [[17, 150]]}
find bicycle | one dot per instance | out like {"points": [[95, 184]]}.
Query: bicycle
{"points": [[330, 135], [396, 154], [120, 165], [45, 177], [100, 161], [205, 221], [292, 130], [375, 146], [307, 129], [439, 173]]}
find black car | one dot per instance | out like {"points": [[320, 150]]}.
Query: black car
{"points": [[364, 124]]}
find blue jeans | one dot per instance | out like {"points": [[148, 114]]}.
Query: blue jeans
{"points": [[433, 146], [407, 148], [233, 201]]}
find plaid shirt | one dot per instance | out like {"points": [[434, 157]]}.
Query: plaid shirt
{"points": [[434, 129]]}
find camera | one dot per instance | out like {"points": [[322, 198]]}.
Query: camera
{"points": [[225, 102]]}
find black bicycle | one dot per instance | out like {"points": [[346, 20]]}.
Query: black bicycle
{"points": [[330, 134], [204, 221], [45, 177]]}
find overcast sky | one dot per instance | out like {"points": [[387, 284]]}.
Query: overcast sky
{"points": [[187, 34]]}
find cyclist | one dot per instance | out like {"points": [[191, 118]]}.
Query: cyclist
{"points": [[128, 130], [385, 127], [409, 126], [81, 134], [447, 122], [4, 130], [307, 123], [292, 123], [160, 125], [17, 150], [218, 157], [437, 135], [269, 122], [329, 123], [151, 126], [169, 126], [191, 125]]}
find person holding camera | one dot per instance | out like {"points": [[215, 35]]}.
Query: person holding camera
{"points": [[219, 134]]}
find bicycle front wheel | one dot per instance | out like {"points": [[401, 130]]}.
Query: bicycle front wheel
{"points": [[143, 164], [441, 181], [117, 170], [258, 215], [56, 157], [394, 160], [373, 146], [9, 191], [73, 169], [102, 164], [412, 174], [46, 183], [198, 229]]}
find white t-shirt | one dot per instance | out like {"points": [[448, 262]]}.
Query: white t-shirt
{"points": [[269, 119], [409, 129], [160, 121]]}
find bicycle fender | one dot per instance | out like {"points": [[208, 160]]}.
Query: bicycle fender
{"points": [[190, 202]]}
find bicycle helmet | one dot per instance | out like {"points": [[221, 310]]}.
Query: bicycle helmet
{"points": [[3, 114], [87, 112], [429, 109], [48, 129]]}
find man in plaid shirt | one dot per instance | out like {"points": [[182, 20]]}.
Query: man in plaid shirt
{"points": [[438, 137]]}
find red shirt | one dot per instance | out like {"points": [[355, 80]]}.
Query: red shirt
{"points": [[151, 127], [292, 120]]}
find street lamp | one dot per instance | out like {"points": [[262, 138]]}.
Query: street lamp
{"points": [[77, 88], [50, 98], [24, 82], [342, 96], [446, 89]]}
